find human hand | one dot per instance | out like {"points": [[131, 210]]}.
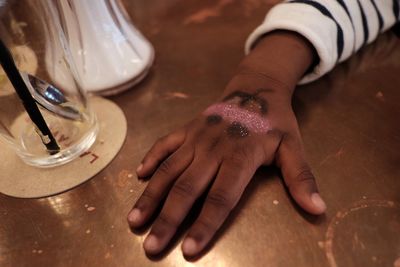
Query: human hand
{"points": [[221, 148], [251, 126]]}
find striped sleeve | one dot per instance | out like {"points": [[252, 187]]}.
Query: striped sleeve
{"points": [[336, 28]]}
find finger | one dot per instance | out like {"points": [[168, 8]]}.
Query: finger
{"points": [[226, 191], [298, 176], [160, 150], [156, 190], [192, 183]]}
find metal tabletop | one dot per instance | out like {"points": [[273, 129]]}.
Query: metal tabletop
{"points": [[350, 122]]}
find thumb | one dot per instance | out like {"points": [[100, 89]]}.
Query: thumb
{"points": [[298, 176]]}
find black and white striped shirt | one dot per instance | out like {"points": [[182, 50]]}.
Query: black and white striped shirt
{"points": [[336, 28]]}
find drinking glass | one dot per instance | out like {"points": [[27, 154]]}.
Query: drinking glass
{"points": [[59, 125]]}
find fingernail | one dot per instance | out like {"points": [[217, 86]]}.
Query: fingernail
{"points": [[151, 244], [140, 167], [318, 202], [189, 246], [134, 216]]}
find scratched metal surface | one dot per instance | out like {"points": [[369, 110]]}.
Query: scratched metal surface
{"points": [[350, 124]]}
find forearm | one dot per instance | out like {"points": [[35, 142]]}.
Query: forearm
{"points": [[277, 62], [336, 29]]}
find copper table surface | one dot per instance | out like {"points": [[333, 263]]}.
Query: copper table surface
{"points": [[350, 125]]}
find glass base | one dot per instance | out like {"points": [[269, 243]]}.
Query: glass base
{"points": [[64, 156]]}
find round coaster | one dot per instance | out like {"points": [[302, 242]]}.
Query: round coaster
{"points": [[20, 180]]}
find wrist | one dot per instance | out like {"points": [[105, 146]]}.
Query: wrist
{"points": [[250, 81], [278, 60]]}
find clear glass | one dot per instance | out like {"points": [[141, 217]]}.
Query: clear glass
{"points": [[35, 33]]}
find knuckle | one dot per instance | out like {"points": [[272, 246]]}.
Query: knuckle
{"points": [[237, 160], [165, 167], [148, 195], [220, 199], [214, 142], [207, 224], [166, 220], [241, 158], [303, 179], [145, 199], [183, 188], [305, 175]]}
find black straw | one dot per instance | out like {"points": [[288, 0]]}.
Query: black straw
{"points": [[8, 64]]}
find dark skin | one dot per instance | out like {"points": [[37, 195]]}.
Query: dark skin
{"points": [[210, 152]]}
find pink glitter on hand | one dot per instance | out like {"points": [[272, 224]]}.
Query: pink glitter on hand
{"points": [[232, 113]]}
